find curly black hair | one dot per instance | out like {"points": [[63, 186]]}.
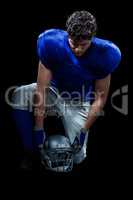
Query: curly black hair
{"points": [[81, 25]]}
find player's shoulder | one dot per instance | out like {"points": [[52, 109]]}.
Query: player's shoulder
{"points": [[52, 34], [106, 46], [52, 38], [108, 57]]}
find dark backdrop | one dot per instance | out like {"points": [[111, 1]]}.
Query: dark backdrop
{"points": [[106, 145]]}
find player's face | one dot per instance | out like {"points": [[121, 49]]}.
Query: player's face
{"points": [[80, 47]]}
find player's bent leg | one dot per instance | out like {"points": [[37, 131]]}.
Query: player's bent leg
{"points": [[73, 121], [22, 117], [23, 120]]}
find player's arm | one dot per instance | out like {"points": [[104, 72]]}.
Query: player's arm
{"points": [[101, 93], [43, 80]]}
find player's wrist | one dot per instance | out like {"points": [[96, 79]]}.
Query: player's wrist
{"points": [[36, 128]]}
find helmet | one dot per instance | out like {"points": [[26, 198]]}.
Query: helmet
{"points": [[58, 155]]}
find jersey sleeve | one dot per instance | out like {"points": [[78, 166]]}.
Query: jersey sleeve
{"points": [[110, 61], [42, 51]]}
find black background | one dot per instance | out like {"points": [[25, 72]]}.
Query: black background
{"points": [[106, 146]]}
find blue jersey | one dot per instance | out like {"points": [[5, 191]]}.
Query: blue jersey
{"points": [[76, 75]]}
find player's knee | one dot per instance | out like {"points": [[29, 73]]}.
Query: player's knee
{"points": [[19, 100]]}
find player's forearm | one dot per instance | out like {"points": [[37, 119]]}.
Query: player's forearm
{"points": [[43, 79], [94, 112], [39, 118], [39, 110]]}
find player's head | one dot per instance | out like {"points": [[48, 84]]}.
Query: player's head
{"points": [[81, 27]]}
